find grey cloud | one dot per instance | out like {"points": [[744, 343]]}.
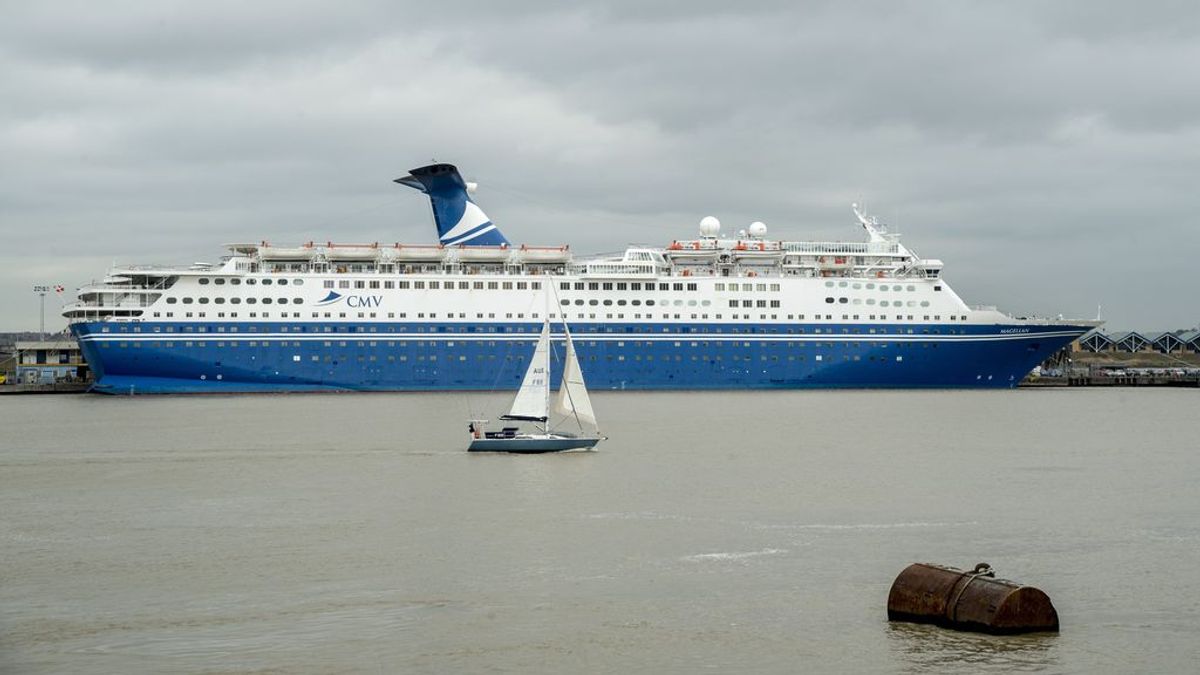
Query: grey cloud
{"points": [[1042, 150]]}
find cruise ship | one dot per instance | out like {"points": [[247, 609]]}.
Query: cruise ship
{"points": [[721, 310]]}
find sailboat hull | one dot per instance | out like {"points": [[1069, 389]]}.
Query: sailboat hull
{"points": [[532, 445]]}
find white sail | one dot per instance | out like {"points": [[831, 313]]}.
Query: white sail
{"points": [[572, 394], [534, 396]]}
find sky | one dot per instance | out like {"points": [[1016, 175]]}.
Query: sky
{"points": [[1047, 152]]}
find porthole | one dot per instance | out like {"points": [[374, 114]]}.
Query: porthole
{"points": [[203, 281], [266, 282], [298, 282], [282, 282], [828, 301], [219, 282], [924, 303]]}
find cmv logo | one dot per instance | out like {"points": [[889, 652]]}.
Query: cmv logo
{"points": [[356, 301]]}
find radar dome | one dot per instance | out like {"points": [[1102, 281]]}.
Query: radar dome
{"points": [[758, 229], [709, 226]]}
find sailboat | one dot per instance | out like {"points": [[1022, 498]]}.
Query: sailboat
{"points": [[532, 404]]}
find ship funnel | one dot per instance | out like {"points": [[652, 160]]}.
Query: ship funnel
{"points": [[459, 220]]}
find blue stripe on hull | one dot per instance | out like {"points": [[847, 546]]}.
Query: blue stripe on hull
{"points": [[229, 358]]}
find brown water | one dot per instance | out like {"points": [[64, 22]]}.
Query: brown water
{"points": [[748, 532]]}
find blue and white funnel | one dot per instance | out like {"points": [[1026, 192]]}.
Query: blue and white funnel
{"points": [[459, 220]]}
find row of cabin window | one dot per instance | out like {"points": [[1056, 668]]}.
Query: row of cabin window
{"points": [[871, 286], [753, 303], [480, 345], [746, 287], [435, 285], [829, 300], [219, 281], [625, 286], [636, 303], [234, 301]]}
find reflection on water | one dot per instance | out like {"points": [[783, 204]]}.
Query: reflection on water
{"points": [[924, 648]]}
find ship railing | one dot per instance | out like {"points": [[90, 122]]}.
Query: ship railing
{"points": [[851, 248]]}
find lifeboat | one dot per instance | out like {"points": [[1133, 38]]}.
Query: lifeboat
{"points": [[268, 252], [544, 254], [400, 253], [483, 253], [351, 252]]}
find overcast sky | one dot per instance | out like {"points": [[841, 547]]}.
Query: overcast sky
{"points": [[1049, 153]]}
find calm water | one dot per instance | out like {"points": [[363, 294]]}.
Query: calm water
{"points": [[750, 532]]}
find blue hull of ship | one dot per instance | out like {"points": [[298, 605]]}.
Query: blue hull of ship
{"points": [[166, 358]]}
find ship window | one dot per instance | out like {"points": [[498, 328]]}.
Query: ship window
{"points": [[522, 285], [677, 287], [649, 303], [607, 303], [298, 282], [493, 285], [360, 284], [621, 302], [829, 301], [235, 282], [842, 300], [564, 286], [219, 301], [374, 284], [636, 286], [593, 302], [172, 301], [579, 302], [266, 282], [203, 281], [661, 287], [635, 302], [870, 286], [219, 282], [593, 286], [937, 288], [282, 282], [343, 283], [537, 285], [187, 301], [911, 288], [924, 303], [295, 301], [329, 283]]}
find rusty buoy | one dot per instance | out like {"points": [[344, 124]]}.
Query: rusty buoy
{"points": [[974, 601]]}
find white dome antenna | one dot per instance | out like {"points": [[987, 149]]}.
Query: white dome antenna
{"points": [[758, 229], [709, 227]]}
